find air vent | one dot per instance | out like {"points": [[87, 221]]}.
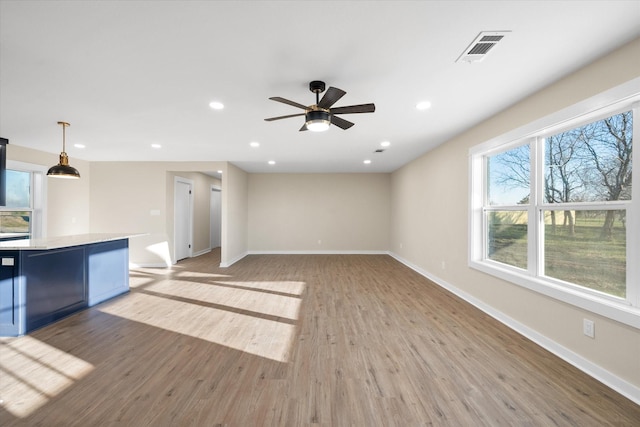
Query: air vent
{"points": [[481, 45]]}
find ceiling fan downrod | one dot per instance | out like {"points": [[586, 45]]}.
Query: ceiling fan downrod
{"points": [[317, 87]]}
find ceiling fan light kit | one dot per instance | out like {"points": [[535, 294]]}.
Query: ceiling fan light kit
{"points": [[317, 121], [320, 115]]}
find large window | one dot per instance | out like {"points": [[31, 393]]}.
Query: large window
{"points": [[554, 210]]}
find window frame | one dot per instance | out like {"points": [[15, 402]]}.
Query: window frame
{"points": [[626, 310]]}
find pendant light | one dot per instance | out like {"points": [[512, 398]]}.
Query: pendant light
{"points": [[62, 169]]}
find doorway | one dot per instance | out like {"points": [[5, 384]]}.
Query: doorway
{"points": [[183, 218]]}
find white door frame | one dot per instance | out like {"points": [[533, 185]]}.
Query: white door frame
{"points": [[189, 182], [218, 218]]}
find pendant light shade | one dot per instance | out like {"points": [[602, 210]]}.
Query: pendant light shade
{"points": [[62, 169]]}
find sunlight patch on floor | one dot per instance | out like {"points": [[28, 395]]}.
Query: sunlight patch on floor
{"points": [[282, 286], [244, 299], [196, 274], [159, 272], [252, 334], [32, 372], [140, 282]]}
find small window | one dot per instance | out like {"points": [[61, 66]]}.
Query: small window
{"points": [[21, 217]]}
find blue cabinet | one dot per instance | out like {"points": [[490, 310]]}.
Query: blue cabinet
{"points": [[55, 284], [38, 287], [107, 270], [9, 293]]}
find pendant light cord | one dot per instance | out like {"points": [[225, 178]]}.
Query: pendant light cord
{"points": [[64, 125]]}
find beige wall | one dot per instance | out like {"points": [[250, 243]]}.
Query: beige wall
{"points": [[234, 214], [67, 199], [134, 197], [429, 223], [319, 212]]}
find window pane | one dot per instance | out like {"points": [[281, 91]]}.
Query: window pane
{"points": [[14, 222], [587, 248], [507, 237], [508, 177], [590, 163], [18, 189]]}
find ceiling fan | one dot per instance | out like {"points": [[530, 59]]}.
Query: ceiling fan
{"points": [[319, 116]]}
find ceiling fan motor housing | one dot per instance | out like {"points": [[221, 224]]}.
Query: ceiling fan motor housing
{"points": [[317, 115]]}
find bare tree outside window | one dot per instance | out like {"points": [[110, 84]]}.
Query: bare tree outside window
{"points": [[609, 145], [584, 244]]}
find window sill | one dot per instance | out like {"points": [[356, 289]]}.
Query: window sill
{"points": [[619, 311]]}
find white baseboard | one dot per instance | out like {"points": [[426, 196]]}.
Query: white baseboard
{"points": [[148, 265], [202, 252], [306, 252], [319, 252], [618, 384], [233, 261]]}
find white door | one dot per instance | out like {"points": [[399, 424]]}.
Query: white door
{"points": [[216, 217], [183, 218]]}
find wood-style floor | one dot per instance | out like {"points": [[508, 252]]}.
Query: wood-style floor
{"points": [[292, 340]]}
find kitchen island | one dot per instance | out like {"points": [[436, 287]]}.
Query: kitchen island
{"points": [[44, 280]]}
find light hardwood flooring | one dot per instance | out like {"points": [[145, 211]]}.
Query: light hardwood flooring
{"points": [[292, 340]]}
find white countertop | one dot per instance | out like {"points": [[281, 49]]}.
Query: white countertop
{"points": [[63, 241]]}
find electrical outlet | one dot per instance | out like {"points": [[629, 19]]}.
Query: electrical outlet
{"points": [[444, 265], [588, 328], [319, 242]]}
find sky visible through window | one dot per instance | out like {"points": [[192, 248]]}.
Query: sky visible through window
{"points": [[18, 189], [508, 176]]}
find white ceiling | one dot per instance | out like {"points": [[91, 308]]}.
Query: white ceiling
{"points": [[130, 74]]}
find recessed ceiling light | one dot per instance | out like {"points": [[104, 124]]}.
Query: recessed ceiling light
{"points": [[156, 146], [366, 162], [216, 105], [79, 145], [272, 162], [254, 144], [220, 172], [385, 143], [423, 105]]}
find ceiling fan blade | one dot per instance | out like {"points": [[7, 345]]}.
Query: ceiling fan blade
{"points": [[288, 102], [332, 96], [341, 123], [304, 127], [283, 117], [351, 109]]}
